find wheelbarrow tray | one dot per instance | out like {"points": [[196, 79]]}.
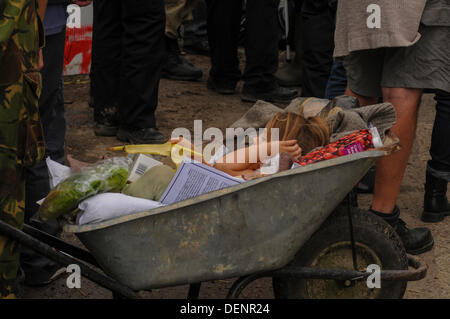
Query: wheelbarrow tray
{"points": [[257, 226]]}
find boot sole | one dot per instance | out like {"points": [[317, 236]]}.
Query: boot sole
{"points": [[182, 78], [434, 217], [101, 130], [289, 84], [123, 137], [253, 99], [423, 249], [221, 91]]}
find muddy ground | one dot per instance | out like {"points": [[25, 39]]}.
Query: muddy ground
{"points": [[180, 103]]}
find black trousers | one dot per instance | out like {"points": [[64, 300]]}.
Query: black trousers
{"points": [[196, 30], [261, 47], [51, 110], [440, 138], [317, 28], [127, 58]]}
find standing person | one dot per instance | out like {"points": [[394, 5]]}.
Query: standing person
{"points": [[436, 205], [176, 66], [405, 50], [314, 44], [261, 49], [127, 55], [21, 136]]}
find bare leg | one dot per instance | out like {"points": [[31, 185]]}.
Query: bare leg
{"points": [[363, 100], [390, 170]]}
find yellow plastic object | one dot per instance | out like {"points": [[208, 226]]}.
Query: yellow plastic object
{"points": [[174, 151]]}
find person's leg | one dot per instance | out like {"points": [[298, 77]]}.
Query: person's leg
{"points": [[12, 185], [11, 212], [290, 74], [337, 82], [224, 18], [436, 205], [176, 66], [363, 100], [140, 69], [39, 269], [390, 169], [261, 50], [177, 11], [106, 52], [17, 108], [195, 35], [318, 23], [365, 73]]}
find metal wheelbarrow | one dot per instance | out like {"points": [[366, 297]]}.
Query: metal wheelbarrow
{"points": [[290, 226]]}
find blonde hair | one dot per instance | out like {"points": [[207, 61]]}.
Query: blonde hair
{"points": [[309, 132]]}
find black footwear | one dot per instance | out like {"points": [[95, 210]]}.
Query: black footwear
{"points": [[200, 47], [106, 122], [435, 203], [105, 129], [416, 240], [221, 87], [367, 183], [143, 136], [277, 95], [176, 66]]}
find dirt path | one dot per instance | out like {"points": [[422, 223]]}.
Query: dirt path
{"points": [[180, 103]]}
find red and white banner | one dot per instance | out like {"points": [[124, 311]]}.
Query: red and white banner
{"points": [[78, 50]]}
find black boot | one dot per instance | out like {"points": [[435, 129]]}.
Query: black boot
{"points": [[367, 183], [277, 95], [416, 240], [106, 121], [177, 67], [435, 203], [149, 135]]}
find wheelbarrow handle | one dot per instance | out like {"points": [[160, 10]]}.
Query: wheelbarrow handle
{"points": [[64, 259], [419, 272]]}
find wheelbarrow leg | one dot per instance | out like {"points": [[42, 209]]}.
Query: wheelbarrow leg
{"points": [[194, 291]]}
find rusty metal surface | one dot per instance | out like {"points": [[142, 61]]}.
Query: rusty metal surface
{"points": [[253, 227]]}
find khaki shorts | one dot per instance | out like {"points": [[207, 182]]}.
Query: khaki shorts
{"points": [[424, 65]]}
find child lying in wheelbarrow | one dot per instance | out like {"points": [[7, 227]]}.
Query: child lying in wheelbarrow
{"points": [[297, 136]]}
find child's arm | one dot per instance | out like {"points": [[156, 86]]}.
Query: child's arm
{"points": [[249, 158]]}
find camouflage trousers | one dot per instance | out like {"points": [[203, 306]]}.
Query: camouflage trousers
{"points": [[21, 144], [177, 11], [12, 212]]}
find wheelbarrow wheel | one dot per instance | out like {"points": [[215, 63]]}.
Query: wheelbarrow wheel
{"points": [[330, 247]]}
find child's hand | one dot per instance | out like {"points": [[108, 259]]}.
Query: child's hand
{"points": [[182, 142], [291, 147]]}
